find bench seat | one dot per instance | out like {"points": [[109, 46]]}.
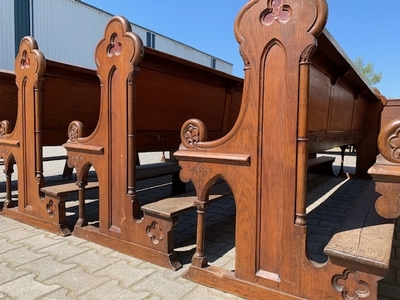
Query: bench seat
{"points": [[64, 189], [321, 165], [174, 206], [364, 240]]}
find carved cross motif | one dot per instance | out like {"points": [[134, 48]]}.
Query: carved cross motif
{"points": [[25, 61], [350, 285], [278, 12], [155, 232], [115, 47]]}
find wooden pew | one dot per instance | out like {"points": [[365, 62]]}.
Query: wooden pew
{"points": [[300, 93], [149, 94], [48, 95], [64, 93]]}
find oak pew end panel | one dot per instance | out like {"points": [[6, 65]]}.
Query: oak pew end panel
{"points": [[264, 158], [128, 76], [48, 93]]}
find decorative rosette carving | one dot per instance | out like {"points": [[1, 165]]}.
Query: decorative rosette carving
{"points": [[277, 12], [389, 141], [350, 285], [75, 131], [193, 131], [5, 128]]}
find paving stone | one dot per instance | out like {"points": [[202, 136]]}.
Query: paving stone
{"points": [[39, 241], [19, 233], [64, 250], [7, 246], [209, 294], [124, 273], [158, 284], [91, 260], [20, 256], [46, 267], [77, 280], [9, 274], [61, 293], [111, 290], [26, 287]]}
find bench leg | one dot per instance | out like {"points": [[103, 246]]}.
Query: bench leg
{"points": [[342, 149], [55, 208], [8, 202], [199, 259], [81, 193]]}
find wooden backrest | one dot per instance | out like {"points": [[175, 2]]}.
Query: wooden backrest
{"points": [[168, 88], [8, 97]]}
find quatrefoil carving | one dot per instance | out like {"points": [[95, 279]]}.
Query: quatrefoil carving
{"points": [[350, 285], [50, 208], [155, 232], [25, 61], [278, 11], [115, 47]]}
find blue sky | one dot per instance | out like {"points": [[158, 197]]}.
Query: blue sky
{"points": [[365, 28]]}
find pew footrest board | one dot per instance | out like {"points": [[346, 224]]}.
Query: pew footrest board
{"points": [[364, 240]]}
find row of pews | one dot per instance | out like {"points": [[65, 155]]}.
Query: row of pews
{"points": [[300, 95]]}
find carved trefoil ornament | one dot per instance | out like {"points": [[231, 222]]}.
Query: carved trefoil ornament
{"points": [[276, 12], [115, 47]]}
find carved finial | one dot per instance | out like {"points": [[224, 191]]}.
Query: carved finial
{"points": [[119, 40], [29, 58]]}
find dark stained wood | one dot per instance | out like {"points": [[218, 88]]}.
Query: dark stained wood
{"points": [[8, 97], [301, 94]]}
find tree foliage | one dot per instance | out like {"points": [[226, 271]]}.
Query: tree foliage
{"points": [[367, 71]]}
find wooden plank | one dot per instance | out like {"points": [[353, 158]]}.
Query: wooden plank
{"points": [[364, 239]]}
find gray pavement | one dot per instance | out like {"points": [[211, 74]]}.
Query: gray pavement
{"points": [[35, 264]]}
